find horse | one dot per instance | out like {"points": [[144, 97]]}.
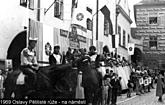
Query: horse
{"points": [[91, 81], [52, 82]]}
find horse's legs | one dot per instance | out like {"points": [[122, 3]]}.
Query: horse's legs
{"points": [[97, 99], [88, 95], [7, 93]]}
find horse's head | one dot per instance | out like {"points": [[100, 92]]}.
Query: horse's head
{"points": [[83, 61]]}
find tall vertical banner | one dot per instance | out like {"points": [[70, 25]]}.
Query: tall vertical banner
{"points": [[115, 41], [131, 47]]}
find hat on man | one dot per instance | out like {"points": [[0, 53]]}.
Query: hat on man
{"points": [[33, 39], [57, 46]]}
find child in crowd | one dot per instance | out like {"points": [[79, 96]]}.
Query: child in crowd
{"points": [[130, 88]]}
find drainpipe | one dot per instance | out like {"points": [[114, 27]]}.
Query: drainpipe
{"points": [[38, 10], [97, 18]]}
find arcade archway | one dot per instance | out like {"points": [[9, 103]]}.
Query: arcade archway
{"points": [[137, 57], [15, 48]]}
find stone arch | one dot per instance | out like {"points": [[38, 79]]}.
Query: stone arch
{"points": [[137, 57], [15, 48]]}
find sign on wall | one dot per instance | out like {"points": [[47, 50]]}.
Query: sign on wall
{"points": [[73, 39]]}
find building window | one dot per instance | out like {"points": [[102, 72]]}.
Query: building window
{"points": [[153, 20], [128, 38], [23, 3], [119, 32], [58, 9], [89, 24], [31, 4], [106, 26], [153, 43], [124, 38]]}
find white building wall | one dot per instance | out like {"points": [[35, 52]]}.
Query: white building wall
{"points": [[64, 24], [101, 37], [11, 19], [125, 25]]}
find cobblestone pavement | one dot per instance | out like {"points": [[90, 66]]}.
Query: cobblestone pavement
{"points": [[144, 99]]}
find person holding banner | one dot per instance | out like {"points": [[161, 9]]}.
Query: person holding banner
{"points": [[160, 86]]}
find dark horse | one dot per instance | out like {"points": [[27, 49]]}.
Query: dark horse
{"points": [[52, 82], [58, 82], [91, 81]]}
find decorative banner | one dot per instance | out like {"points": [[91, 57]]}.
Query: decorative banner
{"points": [[79, 14], [149, 80], [8, 64], [145, 82], [73, 39], [131, 48], [63, 33], [48, 48], [141, 81]]}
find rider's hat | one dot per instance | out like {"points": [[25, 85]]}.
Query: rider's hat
{"points": [[33, 39]]}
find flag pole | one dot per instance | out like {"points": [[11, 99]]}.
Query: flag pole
{"points": [[28, 23], [117, 14]]}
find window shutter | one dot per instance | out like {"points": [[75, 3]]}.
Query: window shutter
{"points": [[57, 9], [31, 4], [23, 3], [162, 20]]}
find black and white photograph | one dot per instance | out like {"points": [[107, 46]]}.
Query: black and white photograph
{"points": [[82, 52]]}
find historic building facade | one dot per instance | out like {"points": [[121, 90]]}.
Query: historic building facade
{"points": [[55, 22], [123, 28], [150, 21]]}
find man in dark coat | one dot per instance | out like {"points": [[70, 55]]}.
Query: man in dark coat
{"points": [[69, 55], [115, 86]]}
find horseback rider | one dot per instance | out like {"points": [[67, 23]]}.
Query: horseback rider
{"points": [[29, 62], [56, 58]]}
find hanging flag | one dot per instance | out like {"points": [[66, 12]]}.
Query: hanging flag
{"points": [[74, 5], [131, 48], [106, 13], [79, 14], [115, 41]]}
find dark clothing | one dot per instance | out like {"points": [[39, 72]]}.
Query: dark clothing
{"points": [[114, 95], [52, 60], [69, 56], [130, 85], [31, 76], [107, 76], [115, 86], [130, 89]]}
